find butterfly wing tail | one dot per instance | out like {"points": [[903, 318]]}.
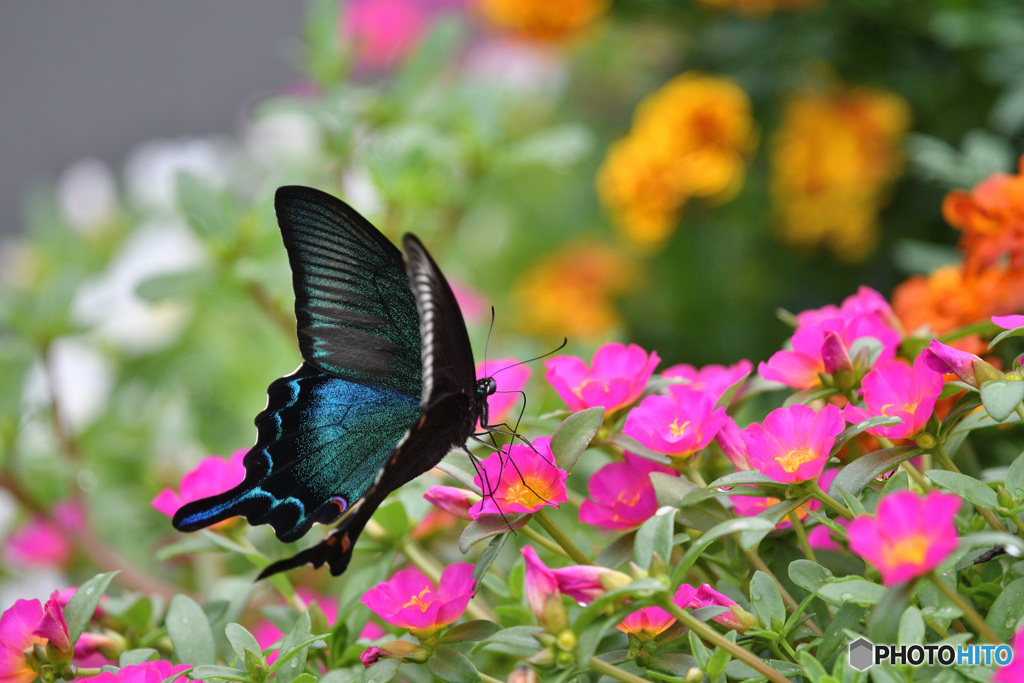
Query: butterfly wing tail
{"points": [[335, 550]]}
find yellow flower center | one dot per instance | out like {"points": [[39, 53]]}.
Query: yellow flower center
{"points": [[678, 429], [796, 457], [909, 550], [418, 601], [524, 493], [890, 409]]}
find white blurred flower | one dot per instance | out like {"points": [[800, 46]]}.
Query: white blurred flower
{"points": [[79, 376], [110, 304], [152, 169], [289, 137], [358, 189], [87, 195], [517, 66]]}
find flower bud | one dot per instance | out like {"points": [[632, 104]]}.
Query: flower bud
{"points": [[453, 500], [1004, 498], [834, 354], [694, 675], [523, 674], [614, 580], [567, 640], [545, 659], [555, 617]]}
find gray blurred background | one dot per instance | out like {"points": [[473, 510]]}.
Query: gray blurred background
{"points": [[95, 78]]}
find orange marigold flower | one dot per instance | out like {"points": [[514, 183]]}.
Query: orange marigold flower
{"points": [[569, 291], [991, 217], [832, 160], [950, 298], [540, 19], [688, 139]]}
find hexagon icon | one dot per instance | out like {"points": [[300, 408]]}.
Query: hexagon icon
{"points": [[862, 654]]}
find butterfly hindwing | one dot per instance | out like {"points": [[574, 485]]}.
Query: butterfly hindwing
{"points": [[322, 442]]}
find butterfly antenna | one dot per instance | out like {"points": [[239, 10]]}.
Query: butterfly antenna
{"points": [[487, 342], [565, 342], [485, 484]]}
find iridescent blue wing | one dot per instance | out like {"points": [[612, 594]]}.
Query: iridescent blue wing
{"points": [[322, 443]]}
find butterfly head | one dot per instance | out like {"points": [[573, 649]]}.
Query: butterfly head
{"points": [[485, 386]]}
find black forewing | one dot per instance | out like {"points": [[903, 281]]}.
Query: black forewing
{"points": [[448, 366], [355, 313]]}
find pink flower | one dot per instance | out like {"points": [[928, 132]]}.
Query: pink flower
{"points": [[714, 379], [384, 32], [409, 599], [835, 357], [44, 543], [453, 500], [737, 618], [966, 366], [793, 444], [17, 626], [622, 493], [647, 623], [1008, 322], [679, 425], [731, 441], [616, 377], [823, 538], [894, 389], [511, 376], [147, 672], [369, 656], [582, 583], [908, 536], [525, 486], [865, 303], [1014, 671], [53, 629], [211, 476]]}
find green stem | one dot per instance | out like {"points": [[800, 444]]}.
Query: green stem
{"points": [[801, 536], [967, 608], [693, 474], [791, 605], [716, 639], [559, 537], [944, 460], [612, 671], [831, 503], [544, 541], [1020, 411], [918, 478], [1017, 523]]}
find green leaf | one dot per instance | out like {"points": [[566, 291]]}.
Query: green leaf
{"points": [[241, 639], [383, 671], [732, 526], [655, 536], [487, 557], [136, 656], [671, 489], [558, 147], [572, 437], [743, 672], [190, 631], [1007, 610], [459, 467], [847, 617], [743, 477], [911, 631], [171, 285], [435, 52], [968, 488], [452, 666], [1015, 478], [208, 672], [855, 429], [471, 631], [885, 619], [293, 650], [812, 667], [859, 473], [616, 553], [490, 525], [809, 575], [520, 637], [766, 600], [1001, 397], [82, 605], [851, 589]]}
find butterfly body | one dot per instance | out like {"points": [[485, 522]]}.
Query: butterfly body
{"points": [[387, 388]]}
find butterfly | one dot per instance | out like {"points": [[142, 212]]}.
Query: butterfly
{"points": [[386, 388]]}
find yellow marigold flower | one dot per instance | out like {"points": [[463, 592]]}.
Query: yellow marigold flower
{"points": [[832, 160], [569, 291], [688, 139], [542, 19]]}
